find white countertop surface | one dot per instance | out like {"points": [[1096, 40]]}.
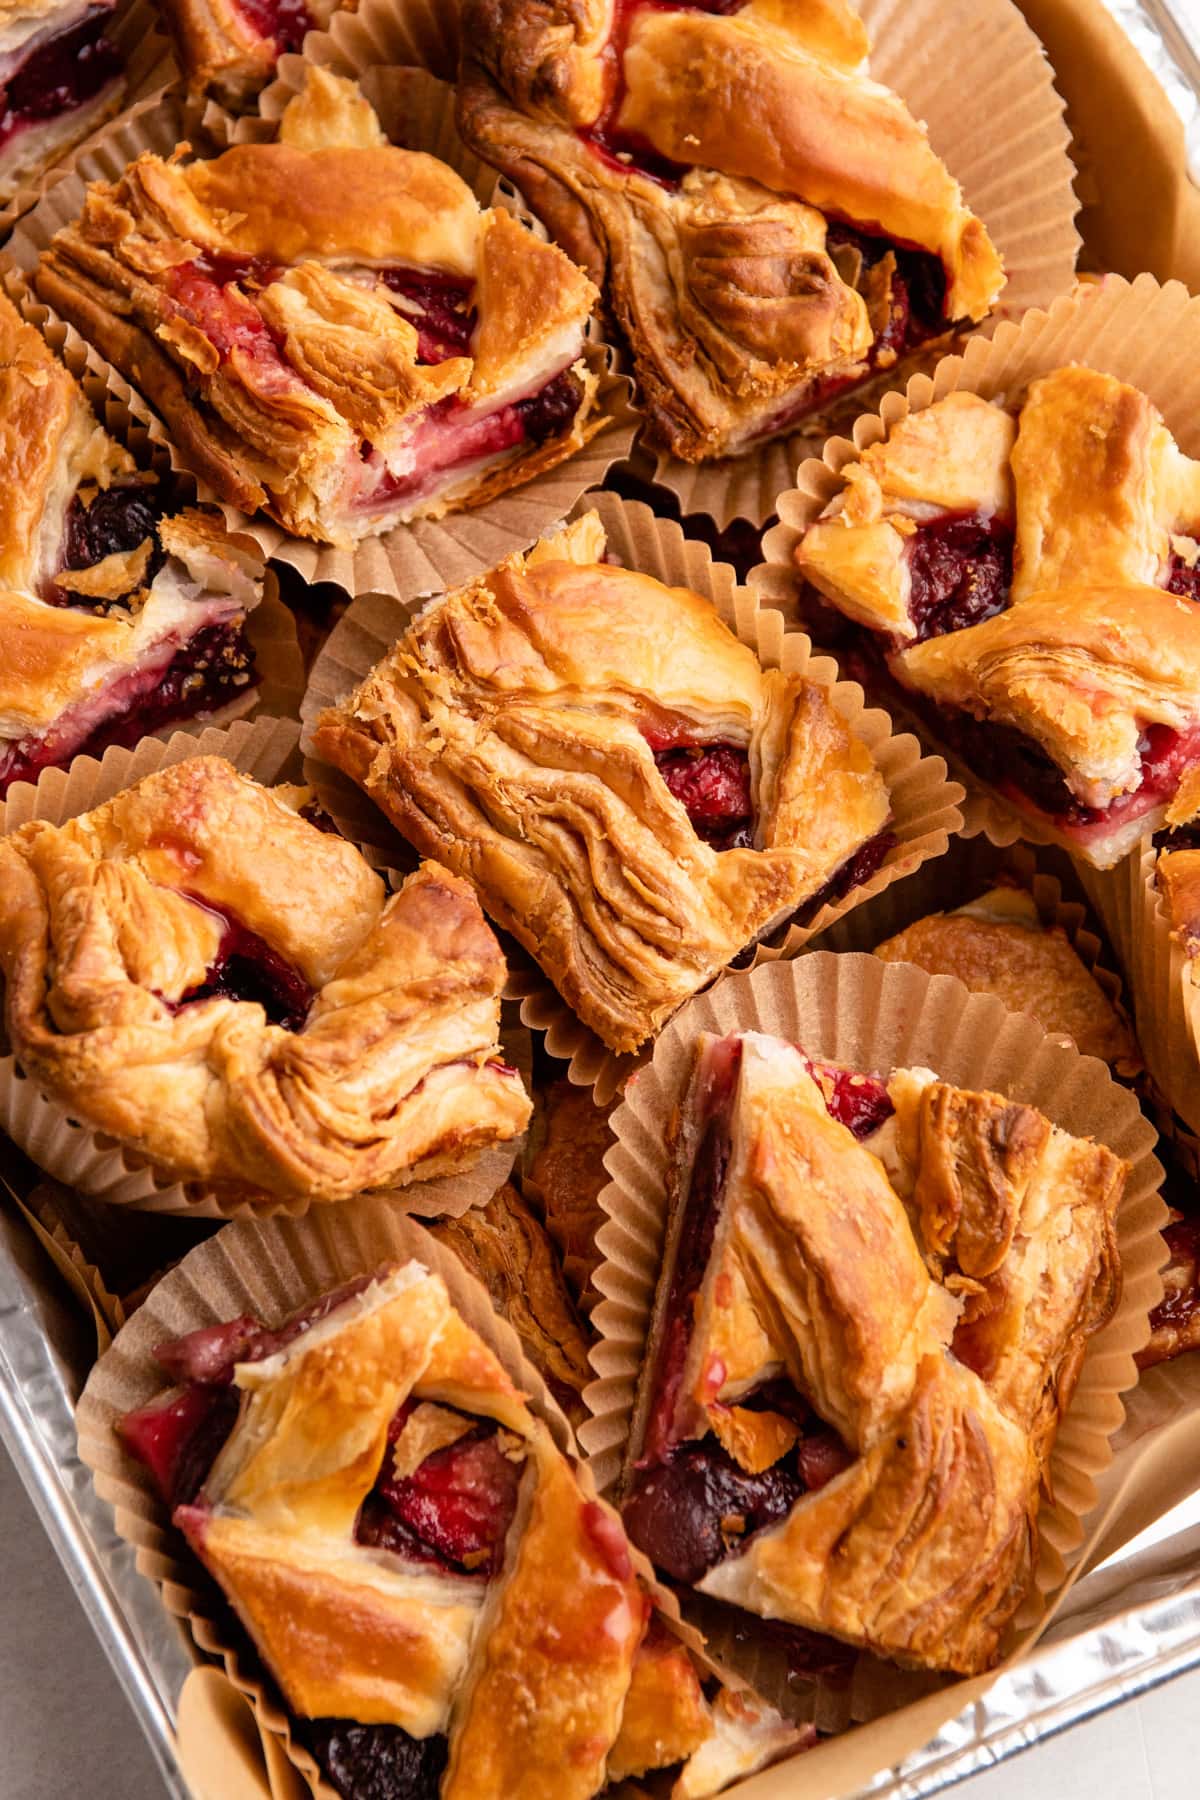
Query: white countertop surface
{"points": [[66, 1731]]}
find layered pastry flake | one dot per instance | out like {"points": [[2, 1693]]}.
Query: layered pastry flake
{"points": [[61, 77], [875, 1300], [332, 328], [120, 613], [633, 796], [565, 1164], [1026, 577], [770, 226], [225, 988], [997, 944], [444, 1606], [229, 48]]}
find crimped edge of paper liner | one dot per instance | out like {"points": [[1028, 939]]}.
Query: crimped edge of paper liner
{"points": [[149, 67], [1017, 176], [878, 1016], [411, 559], [1139, 331], [270, 1268], [88, 1159], [924, 801]]}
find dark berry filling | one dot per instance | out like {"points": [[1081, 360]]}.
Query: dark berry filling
{"points": [[712, 784], [683, 1512], [116, 520], [454, 1510], [285, 22], [247, 968], [377, 1762], [859, 1102], [961, 572], [550, 412], [441, 310], [62, 74], [1181, 1301], [1183, 578], [213, 668]]}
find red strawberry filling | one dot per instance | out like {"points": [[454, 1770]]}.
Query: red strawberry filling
{"points": [[440, 307], [285, 22], [455, 1509], [61, 74], [711, 783], [961, 572]]}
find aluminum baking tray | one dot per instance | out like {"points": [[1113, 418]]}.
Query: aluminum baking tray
{"points": [[1135, 1619]]}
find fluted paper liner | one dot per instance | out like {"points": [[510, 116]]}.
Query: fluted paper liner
{"points": [[876, 1016], [268, 1268], [1139, 332], [89, 1160], [137, 32], [410, 559], [924, 802]]}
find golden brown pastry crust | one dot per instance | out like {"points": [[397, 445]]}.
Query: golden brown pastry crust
{"points": [[530, 1673], [567, 1170], [105, 927], [998, 945], [1092, 651], [921, 1549], [53, 453], [739, 316], [295, 379], [503, 735], [507, 1250], [221, 52]]}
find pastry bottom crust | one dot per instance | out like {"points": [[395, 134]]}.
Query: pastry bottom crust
{"points": [[31, 151]]}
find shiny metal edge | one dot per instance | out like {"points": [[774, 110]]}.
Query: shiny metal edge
{"points": [[145, 1646], [1062, 1684]]}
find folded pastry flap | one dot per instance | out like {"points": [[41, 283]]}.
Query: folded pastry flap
{"points": [[924, 803], [268, 751], [270, 1269], [410, 560], [1017, 176], [875, 1016], [1140, 332], [1160, 975]]}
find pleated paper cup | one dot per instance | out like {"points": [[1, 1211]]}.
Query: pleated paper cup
{"points": [[875, 1017], [924, 802], [136, 30], [1141, 333], [90, 1161], [268, 1269], [409, 560]]}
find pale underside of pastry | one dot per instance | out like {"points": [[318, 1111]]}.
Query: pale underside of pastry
{"points": [[770, 225], [545, 731], [925, 1279], [539, 1668], [998, 944], [200, 972], [115, 608], [331, 327], [1029, 572]]}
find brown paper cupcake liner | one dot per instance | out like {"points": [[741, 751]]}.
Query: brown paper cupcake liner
{"points": [[411, 559], [90, 1161], [268, 1269], [149, 66], [876, 1016], [924, 802], [1140, 332], [1017, 177]]}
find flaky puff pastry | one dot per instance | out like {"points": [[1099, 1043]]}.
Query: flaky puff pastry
{"points": [[1088, 651], [117, 932], [225, 52], [998, 944], [547, 1676], [77, 640], [930, 1295], [505, 734], [248, 298], [691, 161]]}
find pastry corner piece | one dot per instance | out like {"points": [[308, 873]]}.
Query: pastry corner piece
{"points": [[999, 944], [62, 77], [443, 1603], [1024, 579], [771, 226], [632, 795], [874, 1304], [199, 971], [121, 612], [228, 50], [332, 328]]}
